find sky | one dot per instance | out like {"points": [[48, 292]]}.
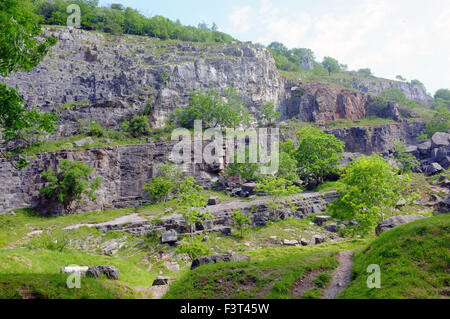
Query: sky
{"points": [[391, 37]]}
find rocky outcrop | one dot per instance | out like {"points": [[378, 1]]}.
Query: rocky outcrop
{"points": [[376, 86], [214, 259], [395, 221], [129, 73], [380, 139]]}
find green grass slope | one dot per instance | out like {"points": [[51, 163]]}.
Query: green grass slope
{"points": [[414, 260]]}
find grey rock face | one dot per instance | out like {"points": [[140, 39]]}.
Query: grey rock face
{"points": [[213, 201], [331, 228], [434, 168], [214, 259], [440, 139], [395, 221], [169, 237]]}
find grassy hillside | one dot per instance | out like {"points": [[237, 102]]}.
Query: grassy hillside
{"points": [[272, 273], [414, 261]]}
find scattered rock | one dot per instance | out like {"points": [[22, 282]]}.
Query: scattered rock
{"points": [[111, 272], [304, 242], [172, 266], [434, 168], [401, 202], [319, 220], [205, 238], [169, 237], [331, 228], [213, 201], [395, 221], [84, 141], [161, 281], [318, 239], [288, 242], [249, 188], [213, 259], [12, 213]]}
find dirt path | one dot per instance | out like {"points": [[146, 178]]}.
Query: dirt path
{"points": [[341, 276]]}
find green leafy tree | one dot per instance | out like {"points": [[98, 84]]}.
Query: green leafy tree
{"points": [[440, 122], [288, 167], [191, 203], [164, 182], [332, 65], [276, 187], [442, 94], [69, 183], [240, 221], [267, 113], [20, 50], [365, 72], [400, 78], [213, 109], [407, 160], [318, 155], [368, 192], [248, 171]]}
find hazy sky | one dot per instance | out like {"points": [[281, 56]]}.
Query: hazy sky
{"points": [[406, 37]]}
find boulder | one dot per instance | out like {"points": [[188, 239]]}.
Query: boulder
{"points": [[288, 242], [213, 201], [424, 148], [249, 188], [331, 228], [235, 179], [445, 162], [318, 239], [434, 168], [440, 139], [161, 281], [395, 221], [111, 272], [412, 149], [438, 154], [84, 141], [169, 237], [304, 242], [319, 220], [444, 205], [214, 259]]}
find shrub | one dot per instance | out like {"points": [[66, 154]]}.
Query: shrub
{"points": [[163, 183], [69, 183], [407, 160], [267, 113], [193, 248], [95, 129], [240, 220], [137, 126], [322, 280]]}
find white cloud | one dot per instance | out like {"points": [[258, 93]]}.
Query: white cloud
{"points": [[408, 37]]}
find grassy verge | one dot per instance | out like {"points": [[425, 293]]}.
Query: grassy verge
{"points": [[414, 260]]}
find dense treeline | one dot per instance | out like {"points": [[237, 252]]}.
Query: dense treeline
{"points": [[117, 20]]}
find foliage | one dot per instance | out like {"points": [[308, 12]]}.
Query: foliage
{"points": [[288, 167], [213, 109], [442, 94], [317, 155], [365, 72], [163, 183], [407, 160], [240, 220], [118, 20], [191, 203], [368, 191], [267, 113], [69, 183], [20, 50], [56, 240], [400, 78], [419, 84], [193, 248], [137, 126], [248, 171], [398, 96], [440, 121], [322, 280], [332, 65], [289, 60]]}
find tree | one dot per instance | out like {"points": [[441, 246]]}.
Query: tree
{"points": [[248, 171], [276, 187], [191, 203], [267, 113], [69, 183], [442, 94], [317, 155], [164, 182], [302, 53], [419, 84], [368, 192], [20, 50], [288, 167], [400, 78], [332, 65], [240, 220], [407, 160], [278, 48], [365, 72], [226, 110]]}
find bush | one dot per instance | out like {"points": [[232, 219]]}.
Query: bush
{"points": [[95, 129], [137, 126], [69, 183], [240, 220], [322, 280], [407, 160], [163, 183], [193, 248]]}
